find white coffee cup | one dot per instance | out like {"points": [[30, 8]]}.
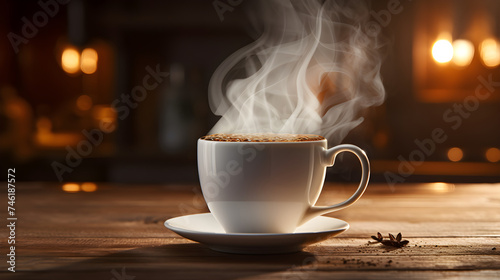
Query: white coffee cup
{"points": [[269, 187]]}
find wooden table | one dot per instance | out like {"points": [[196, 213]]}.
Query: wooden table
{"points": [[117, 232]]}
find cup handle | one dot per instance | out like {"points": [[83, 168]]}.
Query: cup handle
{"points": [[328, 159]]}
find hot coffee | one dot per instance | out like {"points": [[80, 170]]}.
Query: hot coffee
{"points": [[262, 137], [268, 183]]}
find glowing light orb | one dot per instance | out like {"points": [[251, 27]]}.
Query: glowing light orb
{"points": [[84, 102], [71, 187], [463, 52], [89, 61], [70, 60], [493, 155], [442, 51], [455, 154], [489, 51], [89, 187]]}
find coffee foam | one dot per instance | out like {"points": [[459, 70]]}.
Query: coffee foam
{"points": [[262, 137]]}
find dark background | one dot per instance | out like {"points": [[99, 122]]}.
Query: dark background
{"points": [[42, 116]]}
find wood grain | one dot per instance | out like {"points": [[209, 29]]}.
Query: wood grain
{"points": [[454, 232]]}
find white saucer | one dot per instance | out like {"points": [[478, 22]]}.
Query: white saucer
{"points": [[205, 229]]}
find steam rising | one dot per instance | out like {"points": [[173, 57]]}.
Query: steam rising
{"points": [[313, 70]]}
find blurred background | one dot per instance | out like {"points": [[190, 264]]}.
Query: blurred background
{"points": [[85, 95]]}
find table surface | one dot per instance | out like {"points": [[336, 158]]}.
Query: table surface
{"points": [[117, 232]]}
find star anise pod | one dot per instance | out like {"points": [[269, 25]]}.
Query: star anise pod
{"points": [[393, 241]]}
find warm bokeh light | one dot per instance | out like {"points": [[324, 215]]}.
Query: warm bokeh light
{"points": [[89, 187], [89, 61], [463, 52], [70, 60], [84, 102], [106, 117], [455, 154], [442, 51], [490, 52], [441, 187], [493, 155], [71, 187]]}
